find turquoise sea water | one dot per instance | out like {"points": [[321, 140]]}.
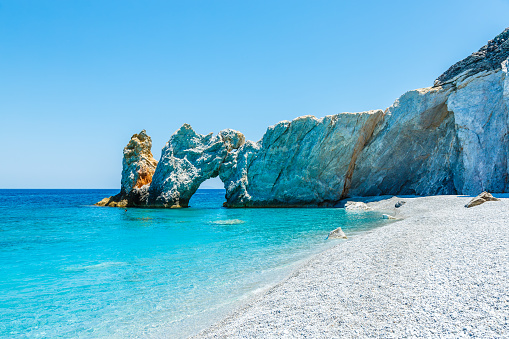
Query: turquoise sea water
{"points": [[70, 269]]}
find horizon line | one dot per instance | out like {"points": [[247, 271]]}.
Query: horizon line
{"points": [[204, 188]]}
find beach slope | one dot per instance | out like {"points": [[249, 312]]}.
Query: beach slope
{"points": [[441, 270]]}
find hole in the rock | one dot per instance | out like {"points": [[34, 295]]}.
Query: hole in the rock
{"points": [[210, 194], [212, 183]]}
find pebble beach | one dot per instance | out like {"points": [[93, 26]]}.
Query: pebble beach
{"points": [[438, 270]]}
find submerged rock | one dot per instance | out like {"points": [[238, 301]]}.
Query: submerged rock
{"points": [[114, 201], [228, 222], [481, 199]]}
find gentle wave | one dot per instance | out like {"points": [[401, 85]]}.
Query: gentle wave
{"points": [[100, 266], [228, 222]]}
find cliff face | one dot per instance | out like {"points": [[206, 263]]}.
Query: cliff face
{"points": [[307, 161], [413, 151], [451, 138]]}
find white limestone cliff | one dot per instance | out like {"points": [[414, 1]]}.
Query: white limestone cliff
{"points": [[480, 106], [307, 161], [451, 138], [413, 151]]}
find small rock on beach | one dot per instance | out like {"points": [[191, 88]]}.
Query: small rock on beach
{"points": [[481, 199], [337, 234]]}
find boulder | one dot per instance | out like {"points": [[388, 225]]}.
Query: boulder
{"points": [[399, 203], [337, 234], [481, 199]]}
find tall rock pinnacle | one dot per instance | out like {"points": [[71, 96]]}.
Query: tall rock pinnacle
{"points": [[138, 167]]}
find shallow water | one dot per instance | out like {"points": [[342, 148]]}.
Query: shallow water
{"points": [[75, 270]]}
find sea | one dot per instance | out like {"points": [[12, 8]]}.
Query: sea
{"points": [[71, 269]]}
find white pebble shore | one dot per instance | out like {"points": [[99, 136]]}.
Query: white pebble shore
{"points": [[441, 271]]}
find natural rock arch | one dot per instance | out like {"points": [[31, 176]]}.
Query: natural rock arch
{"points": [[187, 160]]}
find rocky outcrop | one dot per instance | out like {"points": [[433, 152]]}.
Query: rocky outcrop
{"points": [[138, 164], [488, 58], [138, 167], [481, 199], [451, 138], [187, 160]]}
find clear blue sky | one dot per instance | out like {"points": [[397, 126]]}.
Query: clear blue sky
{"points": [[79, 77]]}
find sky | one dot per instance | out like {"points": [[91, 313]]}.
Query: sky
{"points": [[79, 78]]}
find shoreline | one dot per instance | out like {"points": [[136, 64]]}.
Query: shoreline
{"points": [[440, 269], [286, 271]]}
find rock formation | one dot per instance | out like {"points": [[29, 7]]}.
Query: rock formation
{"points": [[187, 160], [451, 138], [307, 161], [138, 167], [413, 150]]}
